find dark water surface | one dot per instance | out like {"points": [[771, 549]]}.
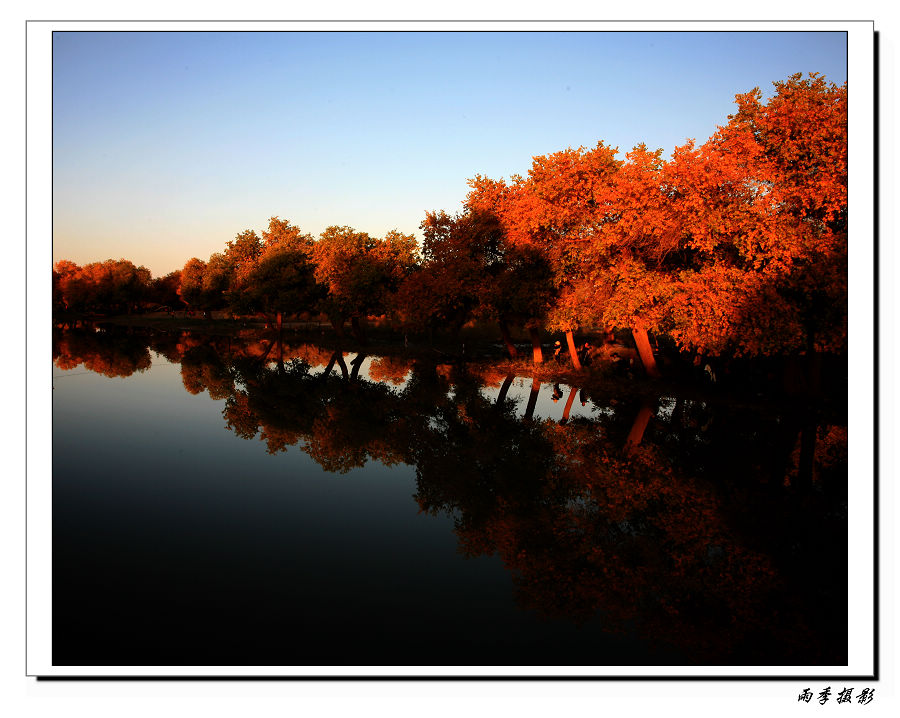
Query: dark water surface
{"points": [[224, 501]]}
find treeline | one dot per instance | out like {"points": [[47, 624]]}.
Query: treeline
{"points": [[736, 246]]}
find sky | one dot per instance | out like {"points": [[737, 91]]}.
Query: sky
{"points": [[167, 145]]}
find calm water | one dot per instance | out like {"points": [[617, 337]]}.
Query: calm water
{"points": [[226, 501]]}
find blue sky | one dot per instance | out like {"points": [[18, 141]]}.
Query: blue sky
{"points": [[166, 145]]}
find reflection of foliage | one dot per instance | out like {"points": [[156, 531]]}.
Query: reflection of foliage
{"points": [[118, 356], [203, 370], [390, 369], [310, 354], [681, 537]]}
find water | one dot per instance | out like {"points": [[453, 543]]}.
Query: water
{"points": [[224, 501]]}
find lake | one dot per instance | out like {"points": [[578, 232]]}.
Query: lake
{"points": [[236, 500]]}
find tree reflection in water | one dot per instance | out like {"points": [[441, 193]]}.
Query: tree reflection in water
{"points": [[708, 526]]}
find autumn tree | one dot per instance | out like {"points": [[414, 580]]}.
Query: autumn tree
{"points": [[548, 219], [69, 288], [759, 267], [281, 282], [216, 282], [243, 253], [115, 285], [271, 275], [452, 284], [191, 289], [800, 138], [164, 290], [359, 273]]}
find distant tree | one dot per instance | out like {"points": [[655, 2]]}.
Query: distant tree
{"points": [[115, 285], [191, 289], [281, 235], [70, 290], [359, 273], [243, 253], [216, 282], [271, 275], [164, 290], [453, 282], [282, 282]]}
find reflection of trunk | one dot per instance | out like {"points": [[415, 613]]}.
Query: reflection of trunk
{"points": [[279, 323], [573, 352], [532, 398], [537, 352], [358, 331], [504, 388], [262, 359], [565, 417], [639, 427], [356, 364], [342, 365], [646, 352], [338, 325], [330, 365], [507, 339]]}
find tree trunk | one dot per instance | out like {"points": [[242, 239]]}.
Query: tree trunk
{"points": [[646, 352], [537, 352], [573, 352], [279, 323], [338, 325], [504, 388], [638, 428], [532, 398], [507, 339], [565, 417]]}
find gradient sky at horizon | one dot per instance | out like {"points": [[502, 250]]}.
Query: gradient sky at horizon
{"points": [[166, 145]]}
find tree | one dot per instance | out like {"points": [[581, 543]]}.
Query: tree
{"points": [[281, 282], [164, 290], [547, 219], [112, 286], [360, 273], [272, 275], [217, 280], [191, 289], [452, 284], [69, 288], [801, 136], [762, 212]]}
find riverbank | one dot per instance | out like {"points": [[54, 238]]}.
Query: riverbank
{"points": [[610, 368]]}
